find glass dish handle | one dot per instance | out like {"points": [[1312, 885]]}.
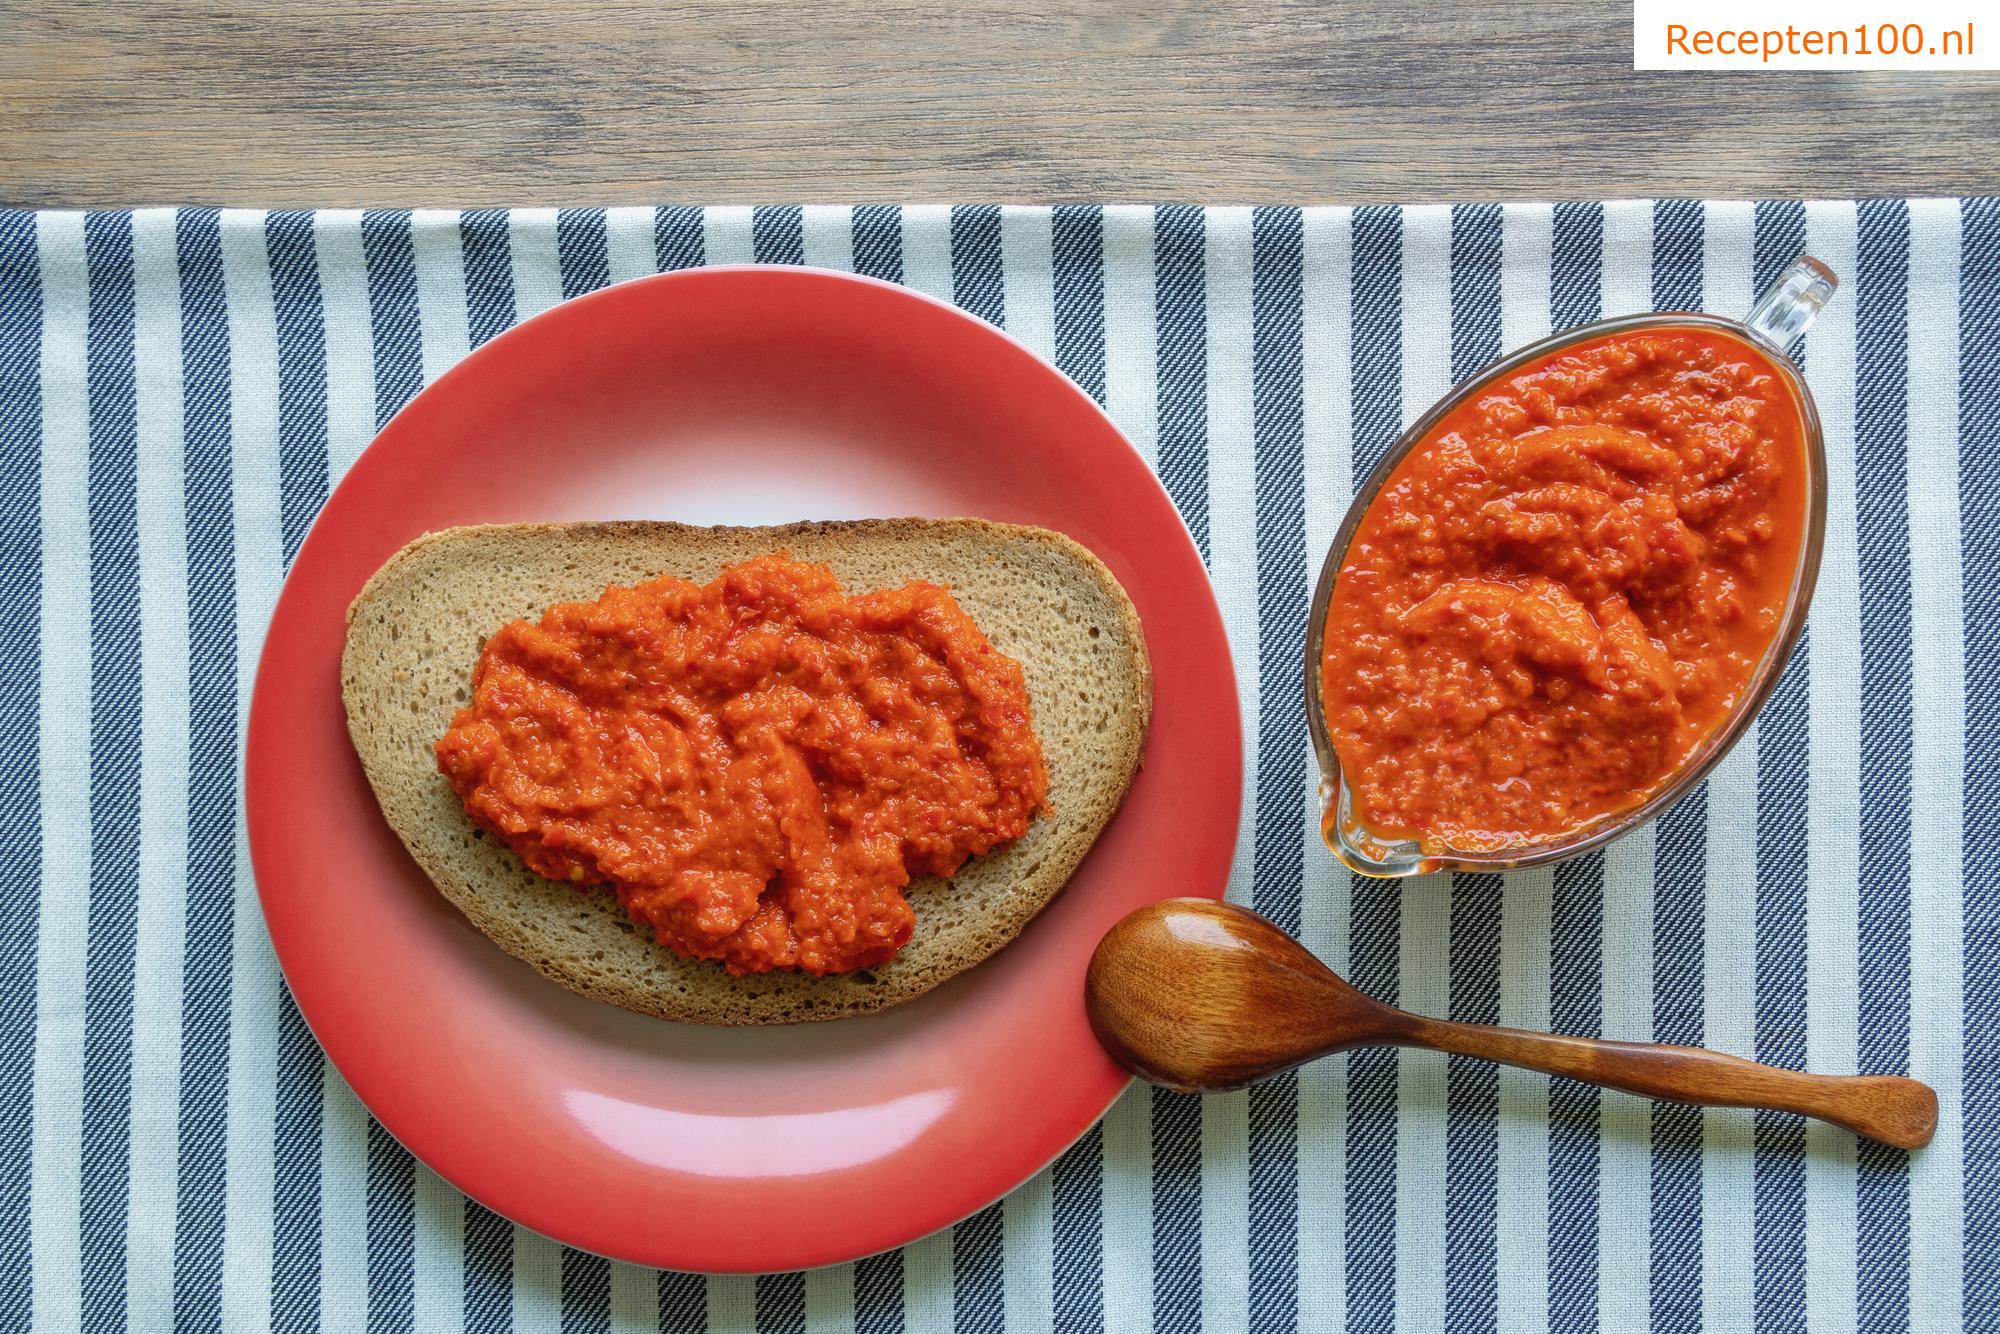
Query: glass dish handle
{"points": [[1790, 305]]}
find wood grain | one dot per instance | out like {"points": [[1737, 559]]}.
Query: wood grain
{"points": [[398, 102], [1202, 996]]}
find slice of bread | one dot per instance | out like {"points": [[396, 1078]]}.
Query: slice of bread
{"points": [[415, 631]]}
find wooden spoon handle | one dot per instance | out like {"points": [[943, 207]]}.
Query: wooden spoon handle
{"points": [[1889, 1108]]}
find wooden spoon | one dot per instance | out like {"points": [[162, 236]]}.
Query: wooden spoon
{"points": [[1201, 996]]}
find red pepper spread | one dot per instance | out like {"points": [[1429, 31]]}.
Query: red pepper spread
{"points": [[1564, 589], [757, 766]]}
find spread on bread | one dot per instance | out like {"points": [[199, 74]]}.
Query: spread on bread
{"points": [[756, 766]]}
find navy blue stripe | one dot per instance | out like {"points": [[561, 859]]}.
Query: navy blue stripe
{"points": [[976, 283], [678, 239], [1472, 1113], [1779, 1164], [781, 1303], [1679, 229], [1979, 522], [1576, 909], [1277, 306], [393, 323], [1375, 378], [302, 488], [488, 1271], [391, 1233], [1778, 237], [398, 344], [878, 241], [1181, 338], [114, 769], [1576, 1109], [1576, 265], [1680, 878], [1077, 1179], [1679, 232], [583, 250], [1175, 1130], [778, 234], [586, 1292], [1077, 1245], [1782, 800], [20, 725], [1882, 526], [301, 330], [1076, 245], [1374, 946], [1180, 301], [878, 1294], [1376, 355], [683, 1303], [487, 252], [211, 794], [1475, 288], [978, 1291], [1472, 1088]]}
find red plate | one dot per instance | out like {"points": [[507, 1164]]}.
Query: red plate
{"points": [[727, 395]]}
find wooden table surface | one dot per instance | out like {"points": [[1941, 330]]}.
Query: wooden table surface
{"points": [[404, 102]]}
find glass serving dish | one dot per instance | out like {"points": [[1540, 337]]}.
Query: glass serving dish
{"points": [[1779, 317]]}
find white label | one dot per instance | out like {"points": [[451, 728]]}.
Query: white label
{"points": [[1815, 34]]}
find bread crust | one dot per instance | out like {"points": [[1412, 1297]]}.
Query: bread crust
{"points": [[416, 628]]}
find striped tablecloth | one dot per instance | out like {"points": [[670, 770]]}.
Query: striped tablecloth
{"points": [[178, 389]]}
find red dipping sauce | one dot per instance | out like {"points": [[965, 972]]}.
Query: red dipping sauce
{"points": [[1564, 589]]}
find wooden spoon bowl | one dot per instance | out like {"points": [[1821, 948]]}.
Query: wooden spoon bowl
{"points": [[1202, 996]]}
